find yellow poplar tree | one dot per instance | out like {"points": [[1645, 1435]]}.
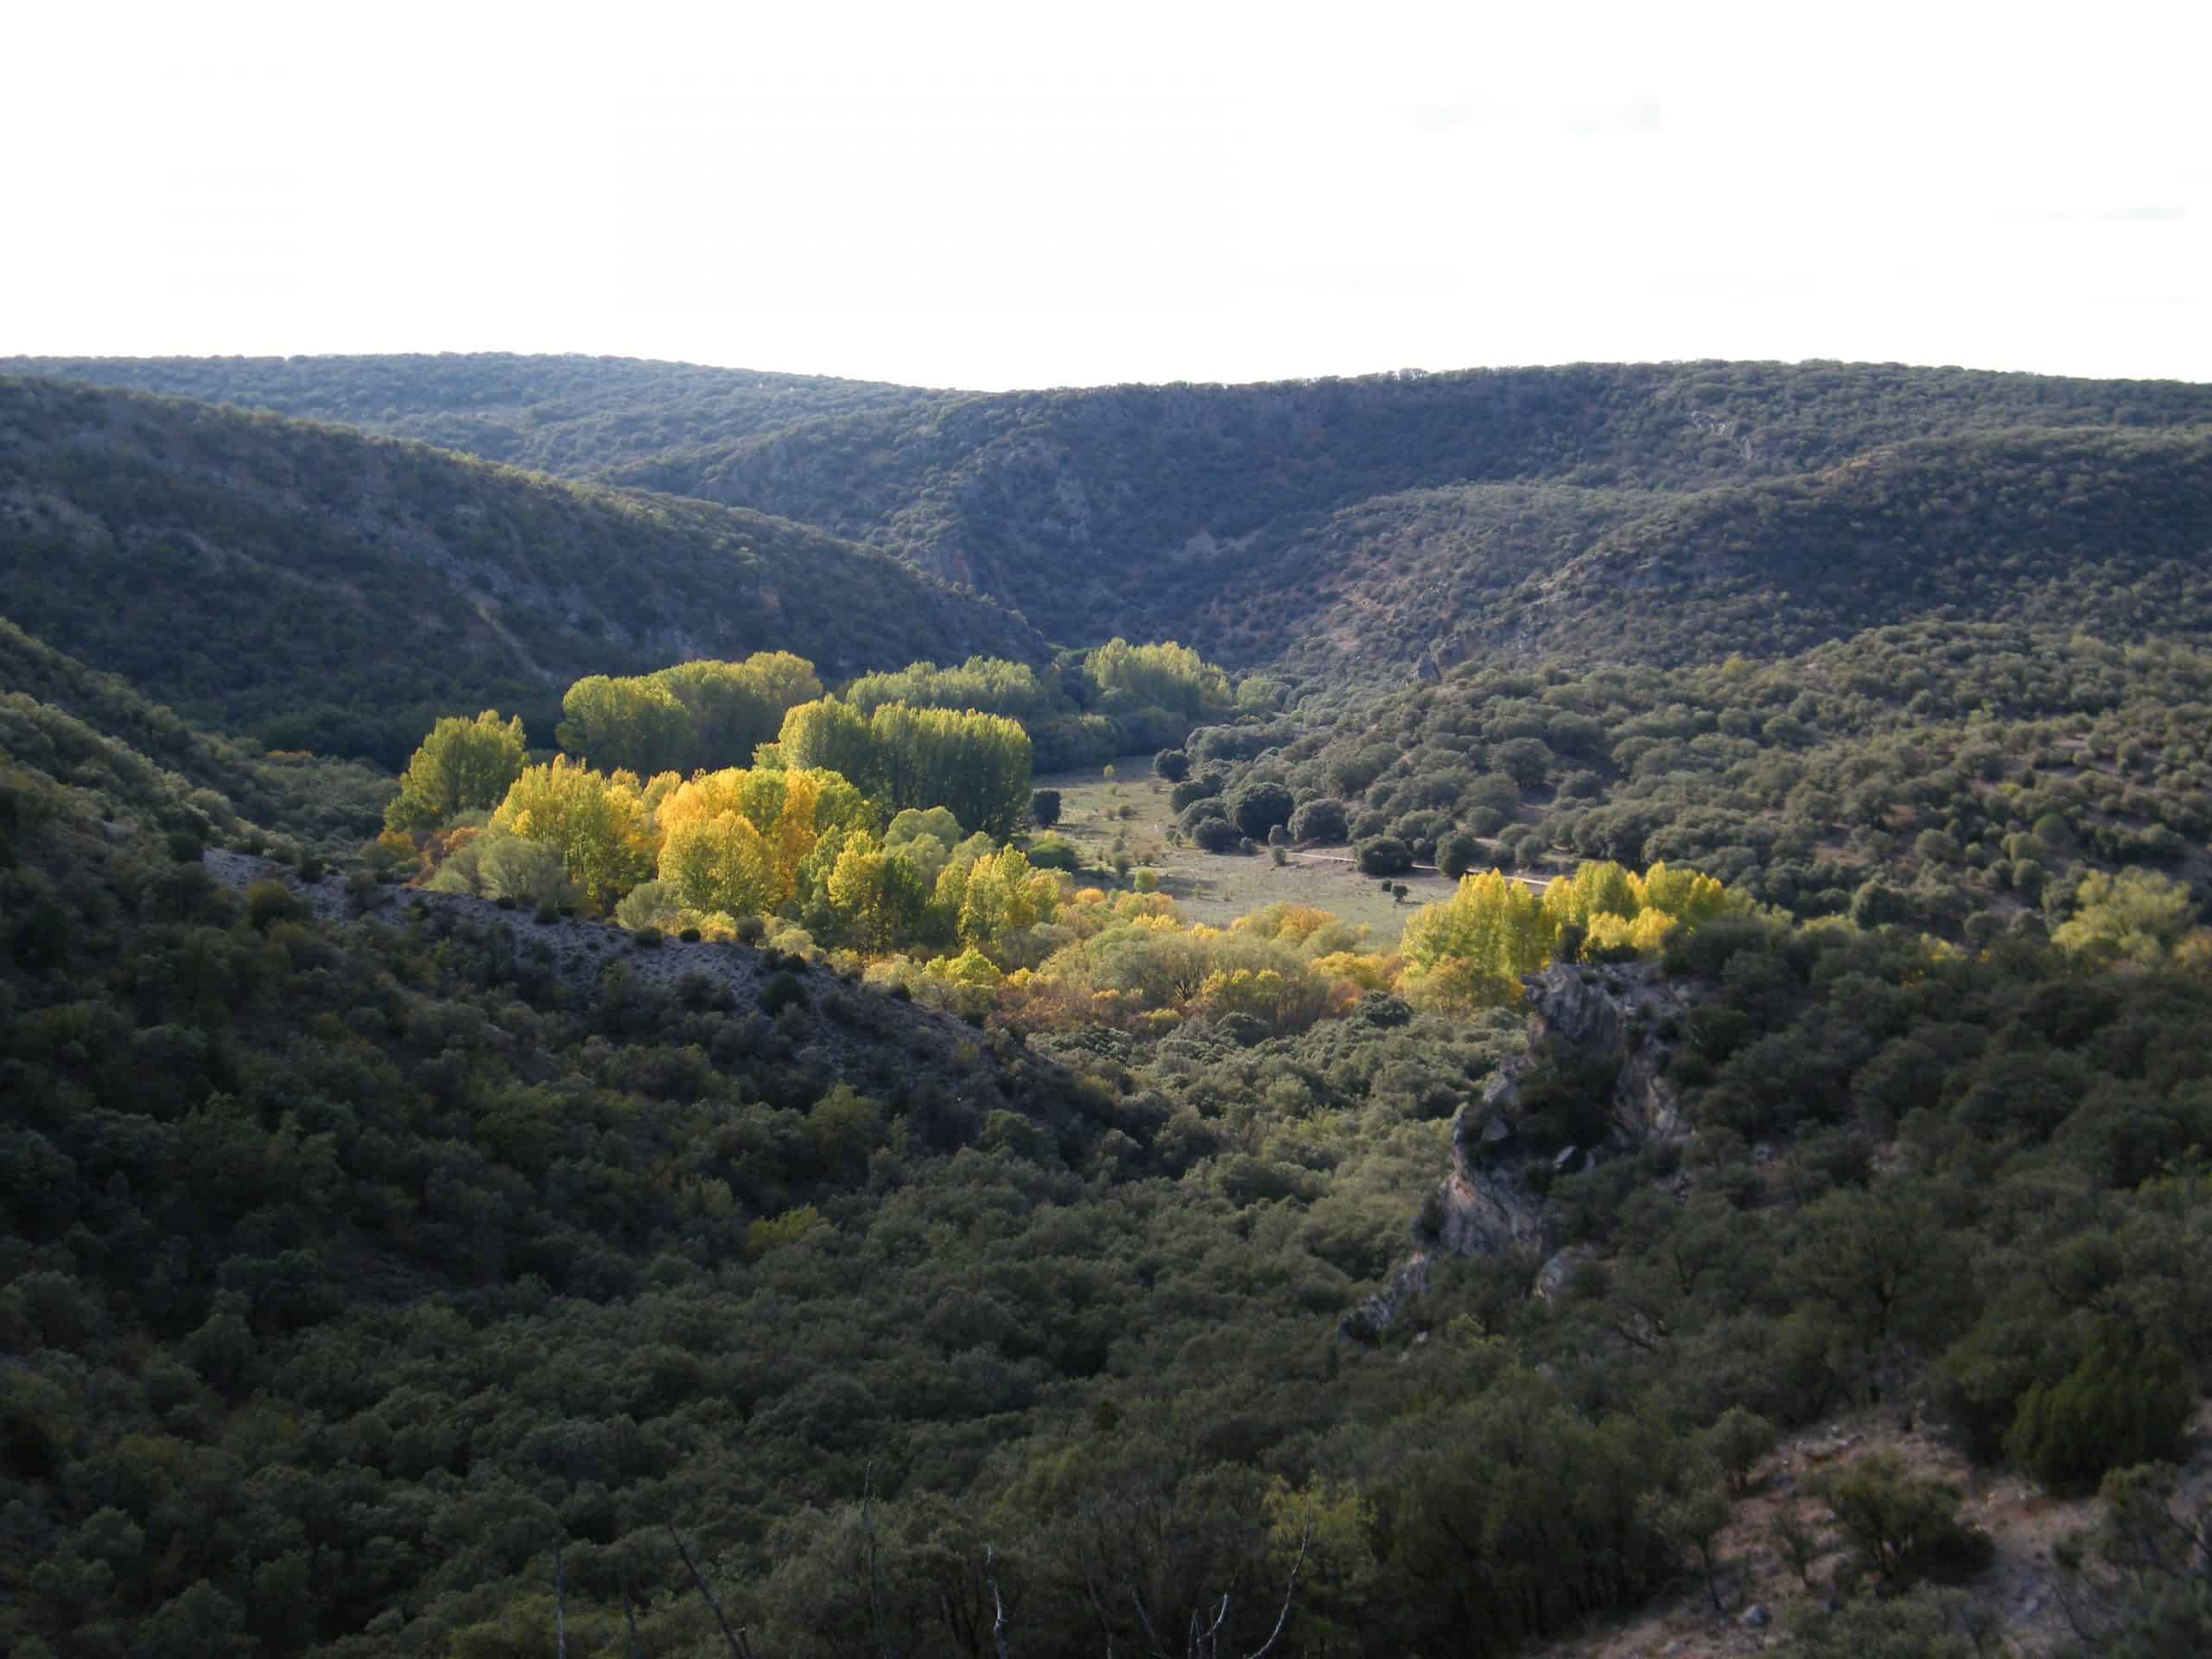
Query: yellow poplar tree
{"points": [[784, 815], [1000, 894], [1492, 921], [877, 896], [597, 823], [1598, 889], [719, 864], [1685, 895]]}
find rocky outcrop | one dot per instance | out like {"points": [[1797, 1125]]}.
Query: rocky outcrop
{"points": [[1604, 1027], [1614, 1020]]}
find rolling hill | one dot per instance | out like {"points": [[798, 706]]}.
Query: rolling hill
{"points": [[2106, 530], [393, 1262], [574, 416], [1344, 528], [1135, 510], [323, 589]]}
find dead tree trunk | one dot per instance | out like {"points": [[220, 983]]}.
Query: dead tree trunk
{"points": [[740, 1648], [560, 1609], [630, 1617]]}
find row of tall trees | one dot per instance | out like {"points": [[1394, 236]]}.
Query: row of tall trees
{"points": [[1166, 676], [1088, 706], [976, 765], [683, 719], [989, 685]]}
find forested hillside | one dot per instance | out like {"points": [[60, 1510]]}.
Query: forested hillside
{"points": [[1957, 776], [328, 591], [2111, 531], [569, 1089], [1348, 528], [1132, 509], [574, 416], [427, 1283]]}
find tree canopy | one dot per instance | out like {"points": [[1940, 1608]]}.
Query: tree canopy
{"points": [[463, 765]]}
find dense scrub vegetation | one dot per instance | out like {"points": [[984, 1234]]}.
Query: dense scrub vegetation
{"points": [[747, 1152], [2102, 529], [353, 1273], [1959, 777], [92, 730], [267, 563]]}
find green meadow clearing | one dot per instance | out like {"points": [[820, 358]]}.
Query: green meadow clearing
{"points": [[1131, 809]]}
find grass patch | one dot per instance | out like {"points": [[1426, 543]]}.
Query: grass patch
{"points": [[1217, 888]]}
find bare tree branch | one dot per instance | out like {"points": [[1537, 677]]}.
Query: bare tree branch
{"points": [[1206, 1642], [998, 1604], [738, 1647], [1145, 1620], [630, 1616], [1305, 1543]]}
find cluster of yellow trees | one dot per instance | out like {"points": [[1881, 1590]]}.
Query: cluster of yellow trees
{"points": [[958, 917], [802, 849], [970, 925], [1130, 960], [2138, 918], [927, 737], [1473, 949]]}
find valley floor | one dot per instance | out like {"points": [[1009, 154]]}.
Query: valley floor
{"points": [[1217, 888]]}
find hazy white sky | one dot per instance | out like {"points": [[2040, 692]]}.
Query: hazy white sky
{"points": [[1047, 194]]}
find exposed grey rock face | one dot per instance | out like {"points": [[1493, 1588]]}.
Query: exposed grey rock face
{"points": [[1615, 1015], [1613, 1020], [1557, 1273], [1487, 1210]]}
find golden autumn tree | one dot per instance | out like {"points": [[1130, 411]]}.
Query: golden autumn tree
{"points": [[1603, 889], [1685, 895], [1492, 927], [719, 864], [741, 835], [878, 897], [597, 823], [997, 895]]}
